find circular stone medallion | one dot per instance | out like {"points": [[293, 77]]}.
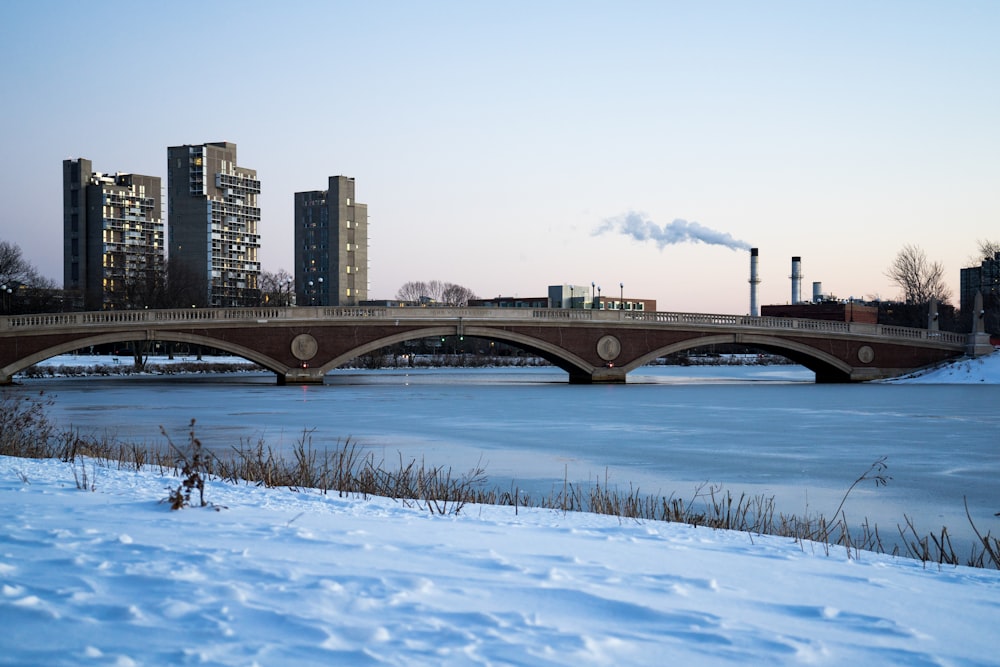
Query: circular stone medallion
{"points": [[304, 347], [866, 354], [608, 348]]}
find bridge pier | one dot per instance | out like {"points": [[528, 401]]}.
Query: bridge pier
{"points": [[600, 375], [300, 376]]}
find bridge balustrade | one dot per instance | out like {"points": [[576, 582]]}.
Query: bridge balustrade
{"points": [[356, 311], [114, 317], [563, 313], [40, 320]]}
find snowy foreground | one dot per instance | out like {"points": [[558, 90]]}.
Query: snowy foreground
{"points": [[111, 576], [275, 577]]}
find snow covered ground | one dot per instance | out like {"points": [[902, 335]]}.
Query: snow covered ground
{"points": [[981, 370], [111, 576], [276, 577]]}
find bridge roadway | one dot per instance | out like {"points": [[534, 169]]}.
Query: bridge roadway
{"points": [[301, 344]]}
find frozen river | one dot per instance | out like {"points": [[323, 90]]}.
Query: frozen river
{"points": [[761, 430]]}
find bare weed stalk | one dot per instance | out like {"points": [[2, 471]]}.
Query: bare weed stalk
{"points": [[195, 466]]}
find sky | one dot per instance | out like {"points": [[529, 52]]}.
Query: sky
{"points": [[96, 569], [504, 146]]}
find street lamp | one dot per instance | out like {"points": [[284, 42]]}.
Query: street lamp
{"points": [[598, 306], [593, 304], [320, 290], [570, 296], [7, 290], [621, 299]]}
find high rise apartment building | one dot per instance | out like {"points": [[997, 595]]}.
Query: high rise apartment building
{"points": [[113, 249], [214, 220], [331, 246]]}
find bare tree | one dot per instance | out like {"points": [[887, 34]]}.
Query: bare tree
{"points": [[456, 295], [16, 270], [183, 289], [986, 250], [447, 294], [146, 288], [22, 288], [276, 288], [413, 291], [919, 279]]}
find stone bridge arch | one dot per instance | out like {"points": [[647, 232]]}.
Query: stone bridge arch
{"points": [[554, 354], [826, 366], [168, 336]]}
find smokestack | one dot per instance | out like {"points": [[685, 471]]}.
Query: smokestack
{"points": [[796, 280], [754, 280], [817, 292]]}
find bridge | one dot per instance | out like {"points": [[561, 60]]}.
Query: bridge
{"points": [[301, 344]]}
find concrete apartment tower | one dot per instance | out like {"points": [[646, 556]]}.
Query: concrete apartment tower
{"points": [[214, 220], [113, 246], [331, 246]]}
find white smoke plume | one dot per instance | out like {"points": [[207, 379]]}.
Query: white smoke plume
{"points": [[639, 227]]}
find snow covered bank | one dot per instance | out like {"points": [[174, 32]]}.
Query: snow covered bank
{"points": [[981, 370], [111, 576]]}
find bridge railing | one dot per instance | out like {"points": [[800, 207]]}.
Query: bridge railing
{"points": [[44, 321]]}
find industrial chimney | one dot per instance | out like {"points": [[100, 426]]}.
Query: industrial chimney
{"points": [[796, 280], [817, 292], [754, 280]]}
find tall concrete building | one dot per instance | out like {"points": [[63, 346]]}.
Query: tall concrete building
{"points": [[331, 246], [984, 279], [214, 220], [113, 250]]}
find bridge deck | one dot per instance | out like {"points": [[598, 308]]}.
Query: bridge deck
{"points": [[300, 344]]}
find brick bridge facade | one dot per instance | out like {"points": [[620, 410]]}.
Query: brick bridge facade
{"points": [[300, 345]]}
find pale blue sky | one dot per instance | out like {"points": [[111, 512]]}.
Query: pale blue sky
{"points": [[491, 140]]}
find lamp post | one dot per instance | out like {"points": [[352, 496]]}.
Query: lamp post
{"points": [[621, 298], [7, 291], [320, 290], [598, 304], [312, 294], [593, 304]]}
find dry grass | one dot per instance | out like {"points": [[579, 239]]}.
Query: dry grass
{"points": [[348, 469]]}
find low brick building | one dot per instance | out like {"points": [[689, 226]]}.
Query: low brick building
{"points": [[827, 310]]}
